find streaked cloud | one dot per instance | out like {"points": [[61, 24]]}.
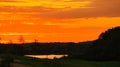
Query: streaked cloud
{"points": [[63, 8], [16, 34], [11, 1], [90, 22], [28, 23], [46, 3]]}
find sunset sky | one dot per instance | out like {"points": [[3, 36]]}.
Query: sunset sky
{"points": [[57, 20]]}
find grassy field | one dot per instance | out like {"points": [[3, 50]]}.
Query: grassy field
{"points": [[66, 63], [30, 62]]}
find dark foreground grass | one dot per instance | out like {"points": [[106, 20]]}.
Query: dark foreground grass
{"points": [[65, 63], [31, 62]]}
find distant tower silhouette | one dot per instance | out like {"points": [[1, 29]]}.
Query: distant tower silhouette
{"points": [[36, 40], [21, 40]]}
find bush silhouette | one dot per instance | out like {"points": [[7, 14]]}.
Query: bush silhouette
{"points": [[111, 36], [106, 47]]}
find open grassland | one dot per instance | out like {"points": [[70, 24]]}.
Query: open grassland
{"points": [[65, 63], [31, 62]]}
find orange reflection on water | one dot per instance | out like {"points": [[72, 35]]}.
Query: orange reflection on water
{"points": [[52, 56]]}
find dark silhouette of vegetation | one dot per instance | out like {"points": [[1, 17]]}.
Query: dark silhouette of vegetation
{"points": [[6, 61], [106, 47]]}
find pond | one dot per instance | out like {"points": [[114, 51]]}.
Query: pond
{"points": [[51, 56]]}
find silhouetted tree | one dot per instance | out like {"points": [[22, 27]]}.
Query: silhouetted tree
{"points": [[111, 36], [107, 46]]}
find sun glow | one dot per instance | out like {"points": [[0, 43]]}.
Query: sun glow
{"points": [[56, 20]]}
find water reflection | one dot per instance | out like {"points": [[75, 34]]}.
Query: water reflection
{"points": [[52, 56]]}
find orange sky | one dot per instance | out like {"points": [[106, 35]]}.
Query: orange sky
{"points": [[57, 20]]}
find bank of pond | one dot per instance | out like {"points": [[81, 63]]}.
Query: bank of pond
{"points": [[35, 62]]}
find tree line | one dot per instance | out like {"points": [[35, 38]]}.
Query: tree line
{"points": [[106, 47]]}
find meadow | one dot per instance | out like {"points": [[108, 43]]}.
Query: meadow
{"points": [[32, 62]]}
